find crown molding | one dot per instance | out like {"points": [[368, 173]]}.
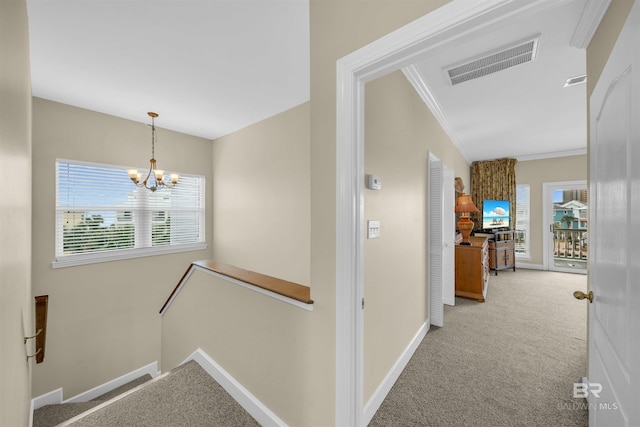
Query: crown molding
{"points": [[592, 14], [416, 79], [541, 156]]}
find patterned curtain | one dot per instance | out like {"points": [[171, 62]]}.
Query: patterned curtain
{"points": [[493, 180]]}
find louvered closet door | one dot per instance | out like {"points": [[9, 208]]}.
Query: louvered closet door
{"points": [[434, 231], [448, 238]]}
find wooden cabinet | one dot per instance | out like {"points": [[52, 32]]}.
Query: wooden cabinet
{"points": [[472, 269], [502, 252]]}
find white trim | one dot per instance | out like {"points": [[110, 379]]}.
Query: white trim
{"points": [[258, 410], [422, 87], [248, 401], [530, 266], [390, 53], [122, 254], [553, 155], [52, 398], [592, 14], [300, 304], [546, 224], [392, 376], [55, 397], [151, 369], [106, 403]]}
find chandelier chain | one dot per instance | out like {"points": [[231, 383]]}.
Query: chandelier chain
{"points": [[153, 137]]}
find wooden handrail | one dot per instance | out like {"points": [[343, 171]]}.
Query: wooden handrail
{"points": [[282, 287]]}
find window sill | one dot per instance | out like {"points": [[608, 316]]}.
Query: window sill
{"points": [[93, 258]]}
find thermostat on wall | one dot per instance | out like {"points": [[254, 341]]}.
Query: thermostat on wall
{"points": [[374, 182]]}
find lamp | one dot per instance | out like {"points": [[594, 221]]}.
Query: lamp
{"points": [[464, 205], [155, 177]]}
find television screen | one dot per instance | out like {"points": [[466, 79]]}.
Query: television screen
{"points": [[495, 214]]}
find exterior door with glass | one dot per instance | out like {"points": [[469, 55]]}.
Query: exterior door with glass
{"points": [[567, 226]]}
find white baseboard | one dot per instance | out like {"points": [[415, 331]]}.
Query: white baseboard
{"points": [[55, 396], [51, 398], [262, 414], [151, 369], [530, 266], [392, 376]]}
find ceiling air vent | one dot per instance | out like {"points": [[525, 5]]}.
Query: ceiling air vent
{"points": [[489, 63], [575, 80]]}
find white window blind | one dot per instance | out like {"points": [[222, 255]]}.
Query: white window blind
{"points": [[522, 235], [101, 215]]}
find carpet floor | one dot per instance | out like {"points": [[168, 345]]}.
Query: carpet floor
{"points": [[511, 361], [52, 415], [187, 397]]}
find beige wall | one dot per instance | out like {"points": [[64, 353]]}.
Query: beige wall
{"points": [[337, 29], [603, 40], [399, 133], [262, 342], [63, 131], [261, 222], [103, 318], [261, 214], [16, 304], [535, 173]]}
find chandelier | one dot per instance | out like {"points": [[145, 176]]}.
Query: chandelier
{"points": [[155, 177]]}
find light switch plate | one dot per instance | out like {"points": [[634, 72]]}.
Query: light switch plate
{"points": [[373, 229]]}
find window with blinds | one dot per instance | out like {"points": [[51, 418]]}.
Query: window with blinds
{"points": [[522, 234], [102, 216]]}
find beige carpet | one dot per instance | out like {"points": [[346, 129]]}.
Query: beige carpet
{"points": [[188, 397], [510, 361], [52, 415]]}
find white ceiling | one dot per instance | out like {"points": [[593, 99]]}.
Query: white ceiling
{"points": [[207, 67], [211, 67], [523, 111]]}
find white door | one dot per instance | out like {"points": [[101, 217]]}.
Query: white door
{"points": [[614, 269], [448, 237], [434, 232]]}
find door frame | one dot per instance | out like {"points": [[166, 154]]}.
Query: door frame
{"points": [[547, 221], [451, 22]]}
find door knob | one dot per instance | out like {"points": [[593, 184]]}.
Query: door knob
{"points": [[582, 295]]}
